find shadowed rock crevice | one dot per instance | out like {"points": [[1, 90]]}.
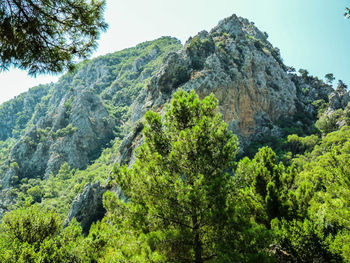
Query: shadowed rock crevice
{"points": [[87, 207]]}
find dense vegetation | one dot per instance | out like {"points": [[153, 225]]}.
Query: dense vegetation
{"points": [[188, 199], [48, 35], [16, 113]]}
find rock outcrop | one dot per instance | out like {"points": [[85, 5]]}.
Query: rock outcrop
{"points": [[16, 113], [339, 98], [244, 71], [73, 120], [87, 207], [71, 133]]}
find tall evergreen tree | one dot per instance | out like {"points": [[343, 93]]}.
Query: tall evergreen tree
{"points": [[178, 186]]}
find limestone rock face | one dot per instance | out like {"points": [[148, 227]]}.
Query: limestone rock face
{"points": [[129, 144], [79, 115], [236, 63], [87, 207], [339, 98], [72, 132], [15, 114], [73, 120], [243, 70], [108, 97]]}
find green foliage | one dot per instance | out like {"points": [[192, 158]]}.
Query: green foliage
{"points": [[16, 114], [330, 78], [268, 185], [57, 192], [35, 193], [300, 145], [124, 81], [304, 240], [47, 36], [320, 105], [278, 144], [198, 49], [259, 44], [5, 147], [179, 206], [64, 132], [185, 199], [181, 75], [275, 52], [304, 74], [322, 201], [329, 122], [114, 78], [31, 234]]}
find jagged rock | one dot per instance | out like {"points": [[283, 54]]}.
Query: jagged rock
{"points": [[129, 144], [87, 207], [15, 114], [72, 135], [239, 67], [74, 119], [340, 98], [244, 71], [234, 61]]}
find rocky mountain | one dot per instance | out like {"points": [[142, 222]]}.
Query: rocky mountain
{"points": [[73, 120], [106, 98], [258, 95]]}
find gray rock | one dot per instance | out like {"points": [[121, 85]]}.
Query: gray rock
{"points": [[87, 207], [129, 144], [340, 98], [73, 135], [245, 77], [75, 119], [246, 74]]}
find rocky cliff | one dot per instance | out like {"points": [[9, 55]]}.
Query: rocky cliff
{"points": [[106, 98], [73, 120], [258, 95], [16, 113]]}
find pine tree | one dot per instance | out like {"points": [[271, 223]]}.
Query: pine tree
{"points": [[48, 35], [178, 187]]}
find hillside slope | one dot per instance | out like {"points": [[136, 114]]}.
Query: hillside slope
{"points": [[73, 120]]}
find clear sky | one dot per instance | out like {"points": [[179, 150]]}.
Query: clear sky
{"points": [[311, 34]]}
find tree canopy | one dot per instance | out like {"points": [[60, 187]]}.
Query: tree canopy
{"points": [[180, 200], [44, 36], [32, 234], [187, 198]]}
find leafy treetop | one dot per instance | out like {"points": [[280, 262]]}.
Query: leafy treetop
{"points": [[177, 189], [48, 35]]}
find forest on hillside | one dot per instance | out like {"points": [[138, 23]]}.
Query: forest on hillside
{"points": [[187, 198]]}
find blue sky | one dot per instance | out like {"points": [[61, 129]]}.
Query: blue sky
{"points": [[311, 34]]}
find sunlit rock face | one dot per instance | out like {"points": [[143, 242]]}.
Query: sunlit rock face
{"points": [[236, 63], [73, 120], [243, 70]]}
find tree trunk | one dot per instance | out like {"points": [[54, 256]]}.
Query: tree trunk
{"points": [[197, 242]]}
